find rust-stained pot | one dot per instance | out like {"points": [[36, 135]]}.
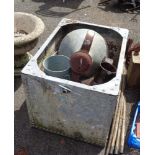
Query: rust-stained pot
{"points": [[86, 48], [106, 72]]}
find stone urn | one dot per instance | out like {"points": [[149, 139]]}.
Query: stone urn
{"points": [[27, 30]]}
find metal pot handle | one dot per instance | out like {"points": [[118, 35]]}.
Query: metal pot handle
{"points": [[87, 41]]}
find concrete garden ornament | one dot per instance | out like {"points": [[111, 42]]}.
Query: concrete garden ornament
{"points": [[27, 30]]}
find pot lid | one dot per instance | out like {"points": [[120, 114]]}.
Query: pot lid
{"points": [[81, 62]]}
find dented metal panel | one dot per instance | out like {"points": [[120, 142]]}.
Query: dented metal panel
{"points": [[69, 110]]}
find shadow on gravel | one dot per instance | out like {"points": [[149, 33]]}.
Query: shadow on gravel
{"points": [[56, 8]]}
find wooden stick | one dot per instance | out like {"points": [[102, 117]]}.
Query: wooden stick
{"points": [[115, 117], [123, 127], [120, 106], [106, 150], [119, 132], [123, 122], [113, 126], [116, 127]]}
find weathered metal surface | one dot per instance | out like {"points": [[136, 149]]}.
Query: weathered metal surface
{"points": [[70, 108]]}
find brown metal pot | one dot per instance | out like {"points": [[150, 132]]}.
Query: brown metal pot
{"points": [[106, 72]]}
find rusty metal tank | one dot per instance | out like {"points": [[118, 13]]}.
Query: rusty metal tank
{"points": [[86, 49], [70, 108]]}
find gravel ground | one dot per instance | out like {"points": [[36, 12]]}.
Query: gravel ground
{"points": [[38, 142]]}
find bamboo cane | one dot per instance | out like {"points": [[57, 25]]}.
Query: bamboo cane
{"points": [[119, 132], [116, 127], [113, 126], [123, 128], [117, 120], [115, 116], [106, 150]]}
